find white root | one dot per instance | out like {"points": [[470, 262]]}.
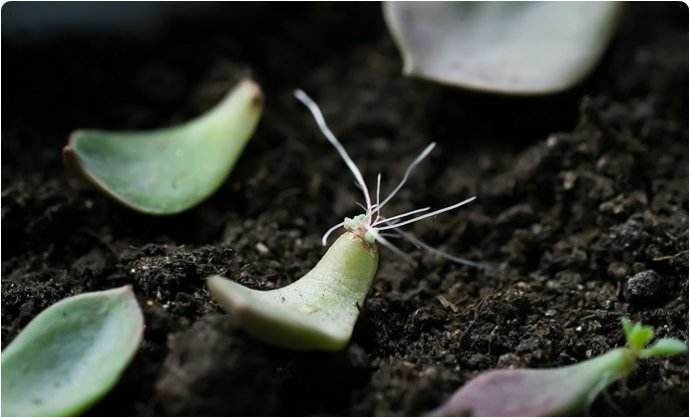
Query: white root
{"points": [[373, 224], [408, 171], [321, 122], [433, 213]]}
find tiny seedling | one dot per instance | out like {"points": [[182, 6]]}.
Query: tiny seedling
{"points": [[167, 171], [504, 47], [558, 392], [319, 310], [71, 354]]}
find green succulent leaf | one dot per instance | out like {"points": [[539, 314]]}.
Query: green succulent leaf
{"points": [[514, 48], [664, 348], [316, 312], [169, 170], [71, 354]]}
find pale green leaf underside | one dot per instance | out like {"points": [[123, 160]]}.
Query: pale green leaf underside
{"points": [[169, 170], [71, 354], [507, 47], [317, 312]]}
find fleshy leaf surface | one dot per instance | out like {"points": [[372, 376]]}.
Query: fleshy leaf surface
{"points": [[557, 392], [664, 348], [537, 392], [316, 312], [506, 47], [169, 170], [71, 354]]}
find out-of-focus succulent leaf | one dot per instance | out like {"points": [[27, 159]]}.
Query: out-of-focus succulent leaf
{"points": [[664, 348], [504, 47]]}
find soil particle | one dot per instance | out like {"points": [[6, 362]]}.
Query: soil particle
{"points": [[645, 287]]}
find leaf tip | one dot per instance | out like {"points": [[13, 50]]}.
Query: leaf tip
{"points": [[408, 66], [69, 156], [213, 281], [126, 290], [220, 289], [126, 293], [256, 95]]}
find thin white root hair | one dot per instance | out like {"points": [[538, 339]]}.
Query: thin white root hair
{"points": [[421, 244], [363, 207], [321, 122], [408, 171], [399, 216], [433, 213], [384, 242], [371, 225], [378, 193], [324, 238]]}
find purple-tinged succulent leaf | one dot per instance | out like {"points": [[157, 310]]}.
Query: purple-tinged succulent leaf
{"points": [[537, 392], [557, 392]]}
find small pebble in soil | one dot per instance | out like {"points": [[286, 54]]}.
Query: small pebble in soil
{"points": [[261, 248], [643, 288]]}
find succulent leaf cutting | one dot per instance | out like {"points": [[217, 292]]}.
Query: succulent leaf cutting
{"points": [[556, 392], [71, 354], [167, 171], [319, 311]]}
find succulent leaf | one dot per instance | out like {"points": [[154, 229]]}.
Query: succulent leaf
{"points": [[71, 354], [316, 312], [167, 171], [505, 47], [556, 392]]}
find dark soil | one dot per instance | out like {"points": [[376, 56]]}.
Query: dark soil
{"points": [[582, 210]]}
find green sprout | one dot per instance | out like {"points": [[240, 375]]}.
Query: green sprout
{"points": [[504, 47], [167, 171], [558, 392], [71, 354], [319, 311]]}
